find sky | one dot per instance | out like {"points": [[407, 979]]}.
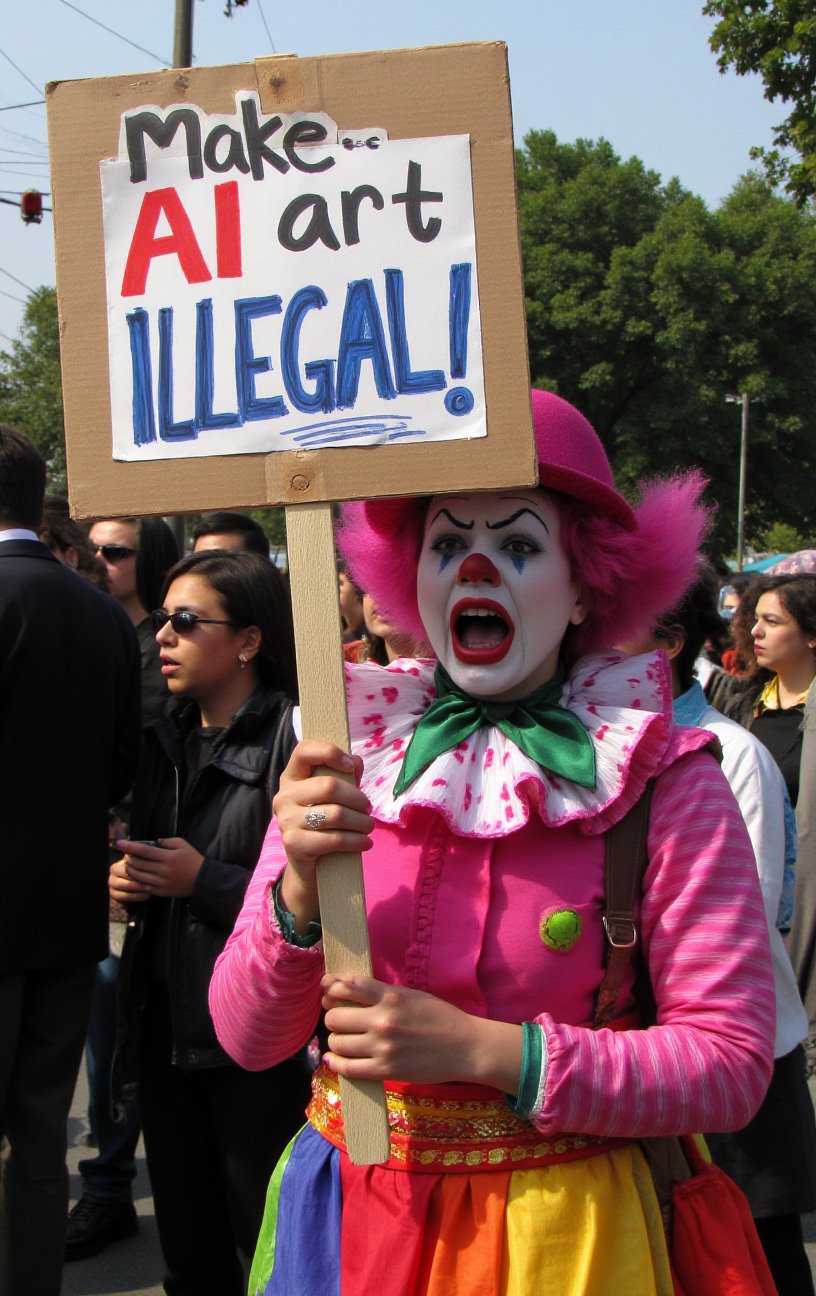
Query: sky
{"points": [[639, 73]]}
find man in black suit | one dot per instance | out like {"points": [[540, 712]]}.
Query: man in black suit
{"points": [[69, 745]]}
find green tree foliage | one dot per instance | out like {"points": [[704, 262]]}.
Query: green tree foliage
{"points": [[30, 389], [783, 538], [777, 40], [31, 398], [647, 310]]}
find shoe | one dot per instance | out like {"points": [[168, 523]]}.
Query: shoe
{"points": [[93, 1224]]}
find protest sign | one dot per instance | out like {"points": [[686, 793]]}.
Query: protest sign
{"points": [[294, 281], [263, 304], [438, 321]]}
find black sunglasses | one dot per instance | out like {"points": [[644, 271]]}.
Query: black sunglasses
{"points": [[113, 552], [182, 622]]}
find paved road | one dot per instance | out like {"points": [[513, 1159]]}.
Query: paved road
{"points": [[133, 1267]]}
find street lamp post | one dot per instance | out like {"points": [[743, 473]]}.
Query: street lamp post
{"points": [[743, 467]]}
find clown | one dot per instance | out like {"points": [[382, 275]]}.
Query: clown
{"points": [[485, 783]]}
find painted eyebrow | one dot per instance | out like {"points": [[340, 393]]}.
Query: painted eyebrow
{"points": [[495, 526], [443, 512]]}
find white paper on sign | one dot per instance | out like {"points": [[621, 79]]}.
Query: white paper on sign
{"points": [[270, 292]]}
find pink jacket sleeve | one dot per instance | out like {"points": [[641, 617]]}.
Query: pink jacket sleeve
{"points": [[707, 1063], [265, 993]]}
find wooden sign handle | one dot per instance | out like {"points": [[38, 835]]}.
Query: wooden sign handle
{"points": [[318, 642]]}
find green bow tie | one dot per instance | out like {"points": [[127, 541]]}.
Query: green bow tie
{"points": [[551, 736]]}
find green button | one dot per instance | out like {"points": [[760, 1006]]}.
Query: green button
{"points": [[561, 929]]}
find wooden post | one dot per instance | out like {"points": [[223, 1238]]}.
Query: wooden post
{"points": [[318, 641]]}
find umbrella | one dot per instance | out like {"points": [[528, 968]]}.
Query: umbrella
{"points": [[763, 564], [793, 564]]}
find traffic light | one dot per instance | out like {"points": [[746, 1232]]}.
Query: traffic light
{"points": [[31, 208]]}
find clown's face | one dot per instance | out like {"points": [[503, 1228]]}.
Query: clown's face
{"points": [[495, 591]]}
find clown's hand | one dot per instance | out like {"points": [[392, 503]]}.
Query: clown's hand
{"points": [[318, 813], [386, 1032]]}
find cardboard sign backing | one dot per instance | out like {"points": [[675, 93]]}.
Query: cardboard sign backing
{"points": [[412, 94]]}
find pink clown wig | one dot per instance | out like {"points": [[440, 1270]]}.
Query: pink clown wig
{"points": [[630, 565]]}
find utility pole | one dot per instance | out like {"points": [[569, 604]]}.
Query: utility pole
{"points": [[182, 57], [743, 469], [183, 35]]}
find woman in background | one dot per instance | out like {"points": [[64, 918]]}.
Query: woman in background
{"points": [[784, 635], [135, 555], [382, 642]]}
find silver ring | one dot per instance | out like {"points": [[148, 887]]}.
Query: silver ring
{"points": [[315, 818]]}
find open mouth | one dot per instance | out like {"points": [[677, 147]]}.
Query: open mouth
{"points": [[481, 632]]}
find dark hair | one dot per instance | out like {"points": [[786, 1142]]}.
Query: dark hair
{"points": [[797, 594], [58, 507], [22, 480], [740, 627], [253, 593], [60, 531], [254, 536], [698, 617], [156, 552], [373, 648], [739, 582]]}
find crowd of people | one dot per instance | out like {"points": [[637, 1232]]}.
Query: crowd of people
{"points": [[534, 676]]}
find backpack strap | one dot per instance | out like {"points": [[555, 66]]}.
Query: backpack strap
{"points": [[626, 856]]}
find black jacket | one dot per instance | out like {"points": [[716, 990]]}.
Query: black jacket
{"points": [[224, 812], [69, 744]]}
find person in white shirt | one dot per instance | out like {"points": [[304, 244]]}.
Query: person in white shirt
{"points": [[773, 1159]]}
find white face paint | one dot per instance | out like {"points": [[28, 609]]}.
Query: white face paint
{"points": [[495, 591]]}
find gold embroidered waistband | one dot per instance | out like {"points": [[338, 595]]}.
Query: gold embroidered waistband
{"points": [[455, 1128]]}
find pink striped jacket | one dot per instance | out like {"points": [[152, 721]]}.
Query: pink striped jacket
{"points": [[461, 918]]}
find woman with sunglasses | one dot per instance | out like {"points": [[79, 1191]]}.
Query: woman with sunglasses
{"points": [[135, 555], [202, 802]]}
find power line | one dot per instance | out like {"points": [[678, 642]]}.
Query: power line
{"points": [[21, 300], [266, 26], [117, 34], [35, 103], [7, 173], [27, 139], [11, 202], [16, 280], [33, 84]]}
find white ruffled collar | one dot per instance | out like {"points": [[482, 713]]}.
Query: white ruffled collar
{"points": [[486, 786]]}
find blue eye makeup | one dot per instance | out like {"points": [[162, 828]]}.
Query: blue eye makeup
{"points": [[447, 547], [519, 549]]}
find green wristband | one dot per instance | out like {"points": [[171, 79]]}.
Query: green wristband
{"points": [[286, 922], [532, 1054]]}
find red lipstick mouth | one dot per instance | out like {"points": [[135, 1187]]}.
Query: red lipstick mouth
{"points": [[481, 632]]}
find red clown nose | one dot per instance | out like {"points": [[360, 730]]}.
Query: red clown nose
{"points": [[478, 570]]}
